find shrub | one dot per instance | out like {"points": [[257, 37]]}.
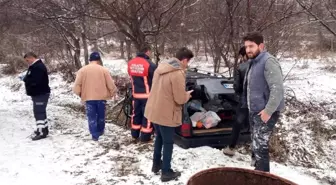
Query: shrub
{"points": [[13, 65]]}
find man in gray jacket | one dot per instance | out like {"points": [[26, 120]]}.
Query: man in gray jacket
{"points": [[264, 92]]}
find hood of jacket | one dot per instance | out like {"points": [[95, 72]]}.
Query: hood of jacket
{"points": [[169, 66]]}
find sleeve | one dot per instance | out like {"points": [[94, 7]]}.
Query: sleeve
{"points": [[236, 82], [110, 83], [77, 88], [151, 70], [273, 76], [178, 88]]}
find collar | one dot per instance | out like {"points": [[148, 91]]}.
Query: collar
{"points": [[34, 62], [261, 54], [143, 55]]}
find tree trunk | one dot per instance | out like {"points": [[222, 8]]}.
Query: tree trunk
{"points": [[128, 49], [122, 51], [162, 46], [332, 44], [84, 39], [105, 42], [217, 59], [197, 45], [248, 16], [156, 50], [95, 41], [77, 62], [141, 40], [205, 49], [86, 50], [95, 45]]}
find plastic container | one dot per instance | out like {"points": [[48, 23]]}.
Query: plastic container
{"points": [[236, 176]]}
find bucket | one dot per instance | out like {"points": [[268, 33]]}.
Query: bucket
{"points": [[236, 176]]}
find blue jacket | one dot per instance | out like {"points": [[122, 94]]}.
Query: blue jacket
{"points": [[37, 80], [141, 70]]}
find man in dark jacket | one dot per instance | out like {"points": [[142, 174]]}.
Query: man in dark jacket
{"points": [[141, 70], [37, 86], [263, 87], [242, 111]]}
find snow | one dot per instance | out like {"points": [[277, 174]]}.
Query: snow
{"points": [[69, 157], [309, 81]]}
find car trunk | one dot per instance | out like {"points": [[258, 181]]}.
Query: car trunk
{"points": [[224, 126], [213, 94]]}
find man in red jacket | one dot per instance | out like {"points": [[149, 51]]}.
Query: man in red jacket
{"points": [[141, 70]]}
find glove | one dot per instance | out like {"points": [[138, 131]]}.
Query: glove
{"points": [[21, 77]]}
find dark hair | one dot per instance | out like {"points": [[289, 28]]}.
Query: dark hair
{"points": [[30, 54], [242, 51], [184, 53], [144, 48], [255, 37]]}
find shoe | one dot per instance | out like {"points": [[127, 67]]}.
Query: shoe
{"points": [[134, 140], [38, 137], [147, 141], [36, 132], [95, 139], [253, 162], [46, 130], [156, 168], [229, 151], [102, 133], [170, 175]]}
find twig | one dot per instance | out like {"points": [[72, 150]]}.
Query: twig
{"points": [[290, 70]]}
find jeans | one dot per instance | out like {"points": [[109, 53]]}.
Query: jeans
{"points": [[95, 111], [163, 139]]}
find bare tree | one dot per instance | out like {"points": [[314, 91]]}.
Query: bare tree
{"points": [[138, 19], [326, 17]]}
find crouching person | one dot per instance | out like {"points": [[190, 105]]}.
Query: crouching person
{"points": [[95, 85], [164, 109], [37, 86]]}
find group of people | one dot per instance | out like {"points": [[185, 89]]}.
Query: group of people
{"points": [[159, 92]]}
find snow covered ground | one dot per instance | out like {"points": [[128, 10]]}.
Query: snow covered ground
{"points": [[69, 157]]}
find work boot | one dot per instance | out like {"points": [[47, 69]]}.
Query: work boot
{"points": [[229, 151], [38, 137], [94, 139], [36, 132], [47, 130], [134, 140], [170, 175], [156, 167], [147, 141]]}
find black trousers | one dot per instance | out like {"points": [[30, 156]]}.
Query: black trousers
{"points": [[241, 120], [40, 113]]}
